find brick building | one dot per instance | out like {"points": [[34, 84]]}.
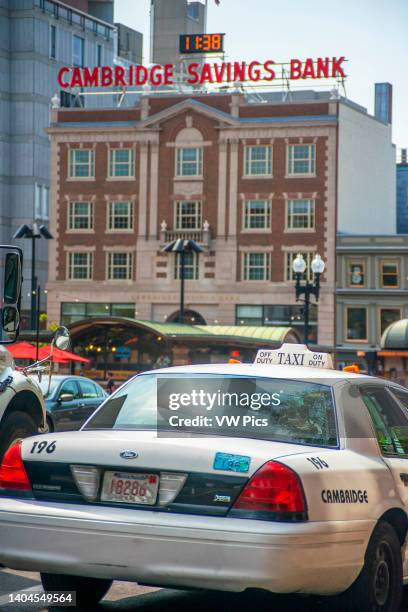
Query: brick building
{"points": [[253, 182]]}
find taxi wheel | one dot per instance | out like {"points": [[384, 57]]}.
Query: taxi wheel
{"points": [[89, 591], [16, 426], [379, 585]]}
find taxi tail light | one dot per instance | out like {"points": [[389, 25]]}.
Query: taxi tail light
{"points": [[12, 470], [274, 492]]}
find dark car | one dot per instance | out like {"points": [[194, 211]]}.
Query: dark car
{"points": [[70, 400]]}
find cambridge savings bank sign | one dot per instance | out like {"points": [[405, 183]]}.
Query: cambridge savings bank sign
{"points": [[206, 73]]}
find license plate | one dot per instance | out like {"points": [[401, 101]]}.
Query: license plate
{"points": [[130, 488]]}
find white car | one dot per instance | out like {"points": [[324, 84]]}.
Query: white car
{"points": [[284, 475]]}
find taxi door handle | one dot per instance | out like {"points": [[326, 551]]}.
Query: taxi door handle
{"points": [[404, 478]]}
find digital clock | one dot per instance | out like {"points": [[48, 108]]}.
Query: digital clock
{"points": [[201, 43]]}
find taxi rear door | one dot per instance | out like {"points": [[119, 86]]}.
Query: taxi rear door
{"points": [[390, 419]]}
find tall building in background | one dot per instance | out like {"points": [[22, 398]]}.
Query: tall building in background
{"points": [[169, 19], [402, 193], [383, 102], [130, 44], [37, 37]]}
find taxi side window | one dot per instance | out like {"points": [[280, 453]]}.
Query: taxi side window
{"points": [[389, 420], [402, 396]]}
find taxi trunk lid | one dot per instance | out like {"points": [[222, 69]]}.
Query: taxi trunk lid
{"points": [[212, 471]]}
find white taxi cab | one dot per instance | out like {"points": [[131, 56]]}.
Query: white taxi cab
{"points": [[284, 475]]}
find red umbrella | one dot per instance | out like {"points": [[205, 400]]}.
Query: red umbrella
{"points": [[60, 356], [22, 350]]}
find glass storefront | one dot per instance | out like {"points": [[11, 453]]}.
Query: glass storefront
{"points": [[76, 311]]}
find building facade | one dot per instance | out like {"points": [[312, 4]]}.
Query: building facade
{"points": [[36, 38], [372, 292], [253, 183]]}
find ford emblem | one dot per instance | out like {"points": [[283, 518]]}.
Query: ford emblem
{"points": [[128, 454]]}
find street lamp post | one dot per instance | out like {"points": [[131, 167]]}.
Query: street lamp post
{"points": [[308, 289], [180, 247], [34, 232]]}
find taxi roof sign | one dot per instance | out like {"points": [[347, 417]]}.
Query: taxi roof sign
{"points": [[294, 355]]}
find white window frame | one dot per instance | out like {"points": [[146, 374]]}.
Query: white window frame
{"points": [[289, 257], [113, 163], [72, 215], [88, 265], [52, 28], [248, 161], [180, 163], [110, 216], [114, 266], [72, 164], [194, 265], [37, 201], [310, 159], [196, 215], [266, 215], [83, 51], [347, 309], [310, 215], [247, 266]]}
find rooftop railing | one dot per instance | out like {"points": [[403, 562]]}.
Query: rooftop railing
{"points": [[76, 17]]}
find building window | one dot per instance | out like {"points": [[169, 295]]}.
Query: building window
{"points": [[75, 311], [78, 51], [69, 100], [388, 316], [389, 274], [120, 216], [41, 201], [121, 163], [356, 273], [258, 161], [81, 163], [53, 42], [256, 267], [302, 159], [249, 315], [278, 314], [356, 323], [289, 273], [257, 214], [99, 57], [300, 214], [188, 215], [190, 266], [80, 216], [120, 266], [189, 161], [80, 266]]}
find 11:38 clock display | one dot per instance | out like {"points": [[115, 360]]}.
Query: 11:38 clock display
{"points": [[201, 43]]}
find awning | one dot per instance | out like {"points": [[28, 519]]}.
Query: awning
{"points": [[392, 354]]}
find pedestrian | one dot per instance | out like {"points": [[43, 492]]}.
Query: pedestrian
{"points": [[110, 383]]}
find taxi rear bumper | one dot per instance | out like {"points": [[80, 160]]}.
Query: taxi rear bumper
{"points": [[182, 550]]}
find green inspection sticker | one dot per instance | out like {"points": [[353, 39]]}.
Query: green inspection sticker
{"points": [[231, 463]]}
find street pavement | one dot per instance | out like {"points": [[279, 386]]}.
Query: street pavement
{"points": [[126, 597]]}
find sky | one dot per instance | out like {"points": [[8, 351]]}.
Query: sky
{"points": [[371, 34]]}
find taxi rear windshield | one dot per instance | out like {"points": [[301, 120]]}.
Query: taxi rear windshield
{"points": [[233, 406]]}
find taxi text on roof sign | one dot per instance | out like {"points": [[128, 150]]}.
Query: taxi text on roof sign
{"points": [[294, 355]]}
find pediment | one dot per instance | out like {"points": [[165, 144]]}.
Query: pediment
{"points": [[192, 105]]}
